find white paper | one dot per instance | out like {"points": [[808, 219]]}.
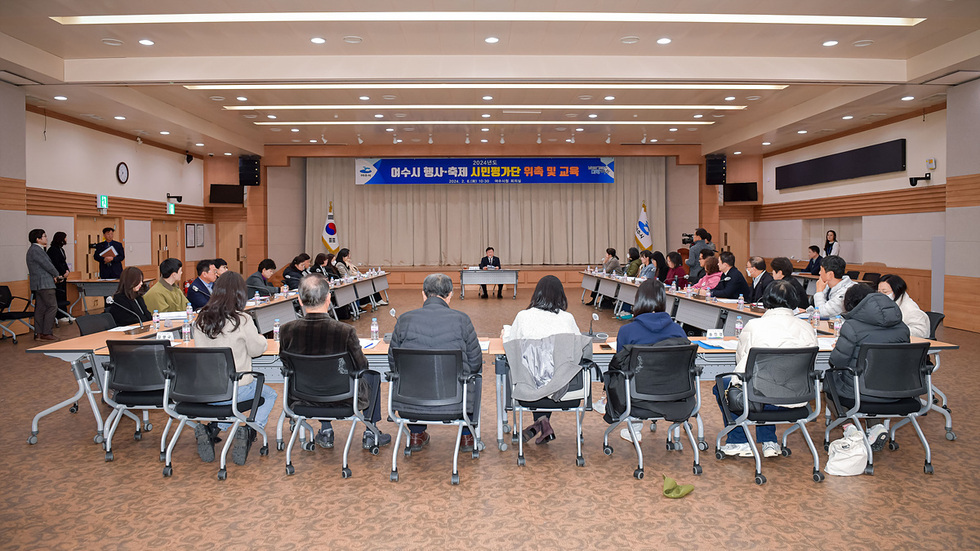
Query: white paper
{"points": [[367, 343], [485, 345], [123, 328], [173, 315], [727, 345], [728, 300], [826, 343]]}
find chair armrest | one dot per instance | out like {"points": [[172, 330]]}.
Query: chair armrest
{"points": [[720, 376], [847, 369], [259, 383], [467, 379], [109, 365], [390, 376], [27, 303], [361, 372]]}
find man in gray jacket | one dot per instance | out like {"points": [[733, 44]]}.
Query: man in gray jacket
{"points": [[42, 274], [702, 240], [437, 326]]}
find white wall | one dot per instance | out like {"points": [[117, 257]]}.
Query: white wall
{"points": [[287, 211], [963, 149], [13, 245], [925, 138], [681, 202], [12, 156], [962, 244], [778, 238], [137, 242], [74, 158]]}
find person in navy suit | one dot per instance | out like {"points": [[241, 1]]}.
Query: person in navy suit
{"points": [[732, 281], [490, 262], [813, 266], [110, 262], [199, 293], [761, 279]]}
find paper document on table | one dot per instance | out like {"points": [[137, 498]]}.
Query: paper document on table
{"points": [[123, 328], [826, 343], [484, 346], [367, 343], [720, 343], [173, 315], [728, 300]]}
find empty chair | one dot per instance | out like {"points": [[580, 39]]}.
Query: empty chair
{"points": [[781, 377], [322, 388], [658, 383], [95, 323], [889, 381], [853, 274], [430, 387], [134, 381], [196, 377], [935, 320], [8, 315], [872, 278]]}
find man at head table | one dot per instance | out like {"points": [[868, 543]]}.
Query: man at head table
{"points": [[490, 262]]}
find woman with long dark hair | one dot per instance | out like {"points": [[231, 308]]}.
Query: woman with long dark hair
{"points": [[127, 305], [831, 246], [222, 322], [56, 252], [675, 270], [294, 271], [633, 262], [661, 262]]}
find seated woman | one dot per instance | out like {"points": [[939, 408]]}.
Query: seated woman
{"points": [[633, 262], [610, 265], [777, 328], [651, 325], [675, 272], [894, 287], [127, 305], [712, 275], [648, 269], [661, 263], [545, 316], [294, 271], [346, 268], [222, 322], [323, 265]]}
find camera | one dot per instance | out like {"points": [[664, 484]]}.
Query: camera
{"points": [[687, 238], [210, 154]]}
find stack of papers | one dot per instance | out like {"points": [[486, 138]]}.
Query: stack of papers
{"points": [[826, 343], [367, 343], [173, 315], [718, 343]]}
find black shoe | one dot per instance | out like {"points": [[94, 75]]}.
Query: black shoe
{"points": [[590, 303], [205, 444], [500, 294], [367, 441], [243, 442], [483, 295]]}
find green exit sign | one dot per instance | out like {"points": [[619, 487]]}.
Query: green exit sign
{"points": [[103, 202], [171, 208]]}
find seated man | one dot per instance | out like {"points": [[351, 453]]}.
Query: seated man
{"points": [[732, 283], [756, 268], [199, 292], [436, 326], [166, 294], [782, 269], [220, 266], [813, 266], [833, 283], [318, 333], [259, 281], [490, 262]]}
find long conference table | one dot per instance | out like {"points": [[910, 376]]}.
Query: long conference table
{"points": [[486, 277]]}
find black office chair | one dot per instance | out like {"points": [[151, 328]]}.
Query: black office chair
{"points": [[330, 380], [895, 372], [134, 381], [430, 387], [659, 383], [872, 279], [935, 320], [9, 316], [779, 377], [196, 377], [853, 274], [94, 323]]}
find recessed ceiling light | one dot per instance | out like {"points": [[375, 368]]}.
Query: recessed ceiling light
{"points": [[400, 115], [364, 98], [593, 115], [560, 129], [801, 131], [552, 139], [718, 115], [692, 129], [830, 43], [908, 98], [228, 153], [250, 116], [585, 97], [112, 42], [217, 98], [409, 129], [863, 43], [663, 41], [146, 42], [482, 141], [487, 98], [847, 117], [318, 40], [388, 97], [580, 130], [199, 144], [294, 129], [609, 98], [296, 141], [484, 130], [672, 129], [389, 129], [485, 115], [379, 116], [766, 143], [242, 98], [271, 116], [274, 129], [629, 39], [753, 98], [119, 118], [353, 39], [571, 115], [729, 98], [698, 116], [737, 153], [491, 40], [61, 98], [164, 133], [654, 140], [312, 141]]}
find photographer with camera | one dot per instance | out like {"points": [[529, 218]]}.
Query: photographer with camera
{"points": [[702, 241]]}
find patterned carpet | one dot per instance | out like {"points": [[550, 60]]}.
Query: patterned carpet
{"points": [[61, 494]]}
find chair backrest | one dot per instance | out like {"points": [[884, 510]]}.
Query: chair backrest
{"points": [[892, 370], [872, 277], [5, 297], [95, 323], [663, 373], [935, 320], [779, 376], [323, 378], [853, 274], [137, 365], [427, 378], [200, 374]]}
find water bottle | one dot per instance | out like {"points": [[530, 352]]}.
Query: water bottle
{"points": [[275, 330], [673, 285], [838, 322], [815, 320], [738, 326], [374, 329], [707, 295], [741, 303], [285, 289], [188, 313], [156, 320], [256, 298], [185, 332]]}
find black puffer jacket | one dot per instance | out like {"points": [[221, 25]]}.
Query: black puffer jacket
{"points": [[876, 319]]}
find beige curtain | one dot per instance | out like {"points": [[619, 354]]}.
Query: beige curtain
{"points": [[451, 225]]}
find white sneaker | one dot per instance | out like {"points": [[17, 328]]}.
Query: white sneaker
{"points": [[741, 450], [878, 435], [638, 428], [382, 302], [600, 406], [771, 449]]}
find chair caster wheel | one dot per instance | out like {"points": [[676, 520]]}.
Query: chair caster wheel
{"points": [[73, 408], [520, 461], [147, 427], [653, 426], [927, 468], [345, 472], [760, 479], [869, 470], [502, 446], [950, 435], [163, 456], [817, 476], [222, 474], [476, 454], [454, 480], [703, 446], [98, 439], [826, 446], [580, 461], [375, 450], [893, 445], [309, 446], [408, 452], [697, 470], [32, 439], [787, 452], [670, 446], [290, 470], [394, 476], [638, 474], [280, 445], [109, 457], [719, 454], [607, 449], [506, 428], [480, 446], [264, 450], [168, 471], [513, 439], [137, 436]]}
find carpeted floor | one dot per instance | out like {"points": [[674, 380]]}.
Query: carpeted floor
{"points": [[61, 494]]}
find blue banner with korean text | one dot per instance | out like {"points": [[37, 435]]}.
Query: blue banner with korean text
{"points": [[486, 170]]}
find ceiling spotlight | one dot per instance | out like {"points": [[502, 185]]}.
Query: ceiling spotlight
{"points": [[359, 139], [216, 98], [242, 98], [906, 98], [847, 117], [730, 98], [430, 138], [484, 130], [592, 115], [139, 140], [753, 98], [586, 97], [313, 141], [199, 144], [801, 131], [379, 116], [294, 129], [388, 97], [164, 133], [663, 41], [501, 138], [609, 98], [863, 43], [318, 40], [698, 116], [467, 140], [573, 139], [539, 138], [322, 139], [629, 39], [830, 43], [491, 40], [487, 98], [608, 138], [672, 129], [146, 42], [654, 140], [61, 98], [364, 98], [485, 115], [112, 42], [271, 116], [228, 153], [119, 118], [737, 153], [389, 129], [766, 143], [353, 39], [394, 138]]}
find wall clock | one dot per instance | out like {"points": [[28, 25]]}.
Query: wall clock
{"points": [[122, 173]]}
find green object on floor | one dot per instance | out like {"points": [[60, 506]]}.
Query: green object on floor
{"points": [[624, 317], [673, 491]]}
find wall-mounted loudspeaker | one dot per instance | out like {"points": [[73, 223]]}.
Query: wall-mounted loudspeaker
{"points": [[248, 170], [715, 170]]}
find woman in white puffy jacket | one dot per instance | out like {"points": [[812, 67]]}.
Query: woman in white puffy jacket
{"points": [[894, 287]]}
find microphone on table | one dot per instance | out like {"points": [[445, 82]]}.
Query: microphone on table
{"points": [[595, 317], [387, 337], [110, 300]]}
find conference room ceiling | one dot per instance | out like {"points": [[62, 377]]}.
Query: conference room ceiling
{"points": [[430, 76]]}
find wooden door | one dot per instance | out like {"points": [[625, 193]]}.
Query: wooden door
{"points": [[735, 238], [165, 236], [88, 232], [231, 246]]}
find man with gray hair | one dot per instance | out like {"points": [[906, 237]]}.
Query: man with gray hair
{"points": [[437, 326], [317, 334]]}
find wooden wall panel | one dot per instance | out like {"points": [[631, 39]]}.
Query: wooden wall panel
{"points": [[963, 191], [962, 303], [59, 203], [919, 281], [13, 194], [924, 199]]}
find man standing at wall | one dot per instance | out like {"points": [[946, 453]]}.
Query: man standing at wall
{"points": [[110, 255]]}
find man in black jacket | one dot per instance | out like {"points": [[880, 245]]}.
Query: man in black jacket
{"points": [[732, 281], [110, 255], [756, 268], [782, 268], [437, 326], [490, 262]]}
